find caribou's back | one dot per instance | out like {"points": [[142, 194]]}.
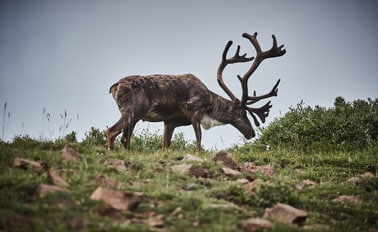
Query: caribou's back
{"points": [[161, 97]]}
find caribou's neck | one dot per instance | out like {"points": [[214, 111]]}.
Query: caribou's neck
{"points": [[220, 113]]}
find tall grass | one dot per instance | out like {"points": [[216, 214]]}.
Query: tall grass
{"points": [[4, 113]]}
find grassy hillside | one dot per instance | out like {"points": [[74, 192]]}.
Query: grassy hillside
{"points": [[173, 201]]}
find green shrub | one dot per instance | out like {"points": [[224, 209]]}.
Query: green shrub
{"points": [[345, 126], [95, 137]]}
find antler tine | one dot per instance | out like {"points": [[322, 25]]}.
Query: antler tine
{"points": [[272, 93], [262, 112], [260, 56], [237, 58]]}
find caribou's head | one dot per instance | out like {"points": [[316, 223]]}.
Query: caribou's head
{"points": [[241, 106]]}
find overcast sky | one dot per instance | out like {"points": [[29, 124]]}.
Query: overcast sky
{"points": [[64, 55]]}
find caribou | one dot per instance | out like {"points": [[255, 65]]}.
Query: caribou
{"points": [[181, 100]]}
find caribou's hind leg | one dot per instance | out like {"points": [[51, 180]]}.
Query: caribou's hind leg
{"points": [[127, 132], [114, 131]]}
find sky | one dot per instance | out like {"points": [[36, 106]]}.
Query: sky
{"points": [[59, 58]]}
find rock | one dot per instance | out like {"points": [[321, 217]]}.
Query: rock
{"points": [[354, 180], [190, 170], [76, 223], [305, 184], [37, 166], [155, 221], [253, 186], [286, 213], [222, 206], [105, 182], [250, 167], [55, 179], [367, 175], [346, 199], [255, 224], [177, 210], [230, 172], [69, 154], [226, 159], [189, 157], [268, 170], [242, 181], [299, 171], [357, 180], [117, 164], [117, 199], [43, 190]]}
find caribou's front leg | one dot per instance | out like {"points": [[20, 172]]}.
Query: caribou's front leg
{"points": [[168, 132], [197, 129]]}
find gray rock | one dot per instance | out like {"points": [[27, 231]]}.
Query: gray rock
{"points": [[190, 170], [230, 172], [43, 190], [346, 199], [254, 224], [189, 157], [286, 213]]}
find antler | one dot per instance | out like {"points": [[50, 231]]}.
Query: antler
{"points": [[246, 100], [237, 58], [260, 56]]}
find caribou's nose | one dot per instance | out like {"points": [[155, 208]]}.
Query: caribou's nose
{"points": [[250, 134]]}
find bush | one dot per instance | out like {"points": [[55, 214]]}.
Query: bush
{"points": [[95, 137], [346, 126]]}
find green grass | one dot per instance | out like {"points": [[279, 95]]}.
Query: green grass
{"points": [[207, 204]]}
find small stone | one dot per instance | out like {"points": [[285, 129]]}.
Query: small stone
{"points": [[43, 190], [347, 199], [367, 175], [117, 164], [242, 181], [55, 179], [76, 223], [305, 184], [227, 159], [37, 166], [354, 180], [69, 154], [250, 167], [190, 170], [254, 185], [299, 171], [255, 224], [106, 182], [177, 211], [286, 213], [156, 221], [230, 172], [357, 180], [117, 199], [268, 170], [189, 157]]}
